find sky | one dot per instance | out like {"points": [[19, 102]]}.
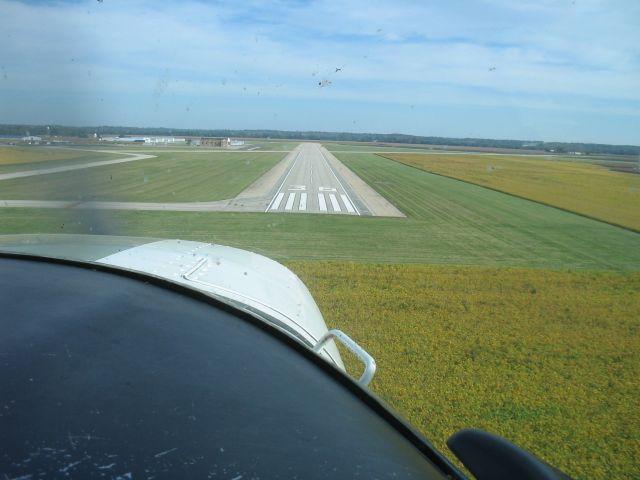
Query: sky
{"points": [[566, 70]]}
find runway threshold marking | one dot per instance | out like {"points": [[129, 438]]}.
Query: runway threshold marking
{"points": [[303, 202], [334, 203], [322, 202], [347, 203], [282, 185], [338, 180], [290, 199], [278, 199]]}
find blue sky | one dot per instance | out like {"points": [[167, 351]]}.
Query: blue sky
{"points": [[534, 70]]}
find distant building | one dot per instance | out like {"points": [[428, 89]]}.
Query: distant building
{"points": [[217, 142], [146, 140], [210, 141]]}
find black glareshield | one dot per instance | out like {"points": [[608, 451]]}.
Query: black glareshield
{"points": [[119, 375]]}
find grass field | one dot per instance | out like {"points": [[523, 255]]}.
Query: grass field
{"points": [[449, 222], [15, 159], [587, 189], [549, 360], [546, 356], [171, 177]]}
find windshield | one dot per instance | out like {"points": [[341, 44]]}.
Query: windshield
{"points": [[456, 183]]}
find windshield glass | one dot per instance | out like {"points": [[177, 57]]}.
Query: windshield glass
{"points": [[457, 185]]}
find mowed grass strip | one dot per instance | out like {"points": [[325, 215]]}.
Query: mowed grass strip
{"points": [[18, 159], [171, 177], [588, 189], [557, 243], [547, 359]]}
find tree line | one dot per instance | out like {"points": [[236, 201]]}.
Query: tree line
{"points": [[559, 147]]}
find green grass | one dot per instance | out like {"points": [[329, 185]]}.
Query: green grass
{"points": [[590, 190], [17, 159], [171, 177], [566, 242], [549, 360], [449, 222]]}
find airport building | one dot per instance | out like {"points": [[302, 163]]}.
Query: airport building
{"points": [[145, 140]]}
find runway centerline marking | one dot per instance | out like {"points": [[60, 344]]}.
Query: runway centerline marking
{"points": [[322, 202], [334, 203], [347, 203], [290, 200], [282, 185], [303, 202]]}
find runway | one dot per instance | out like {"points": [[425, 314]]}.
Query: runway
{"points": [[308, 180], [312, 185]]}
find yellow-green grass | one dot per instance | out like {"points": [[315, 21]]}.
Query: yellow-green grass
{"points": [[590, 190], [14, 159], [547, 359], [170, 177]]}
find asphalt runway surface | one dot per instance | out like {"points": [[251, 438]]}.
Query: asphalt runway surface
{"points": [[312, 185], [309, 179]]}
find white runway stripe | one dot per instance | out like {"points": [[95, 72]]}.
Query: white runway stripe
{"points": [[322, 202], [334, 203], [347, 203], [303, 202], [276, 204], [290, 200]]}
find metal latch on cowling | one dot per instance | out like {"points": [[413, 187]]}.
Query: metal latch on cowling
{"points": [[357, 350]]}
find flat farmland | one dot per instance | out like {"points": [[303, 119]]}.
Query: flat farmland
{"points": [[170, 177], [590, 190], [15, 159], [549, 360]]}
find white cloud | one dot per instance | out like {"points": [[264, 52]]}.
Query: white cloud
{"points": [[582, 55]]}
